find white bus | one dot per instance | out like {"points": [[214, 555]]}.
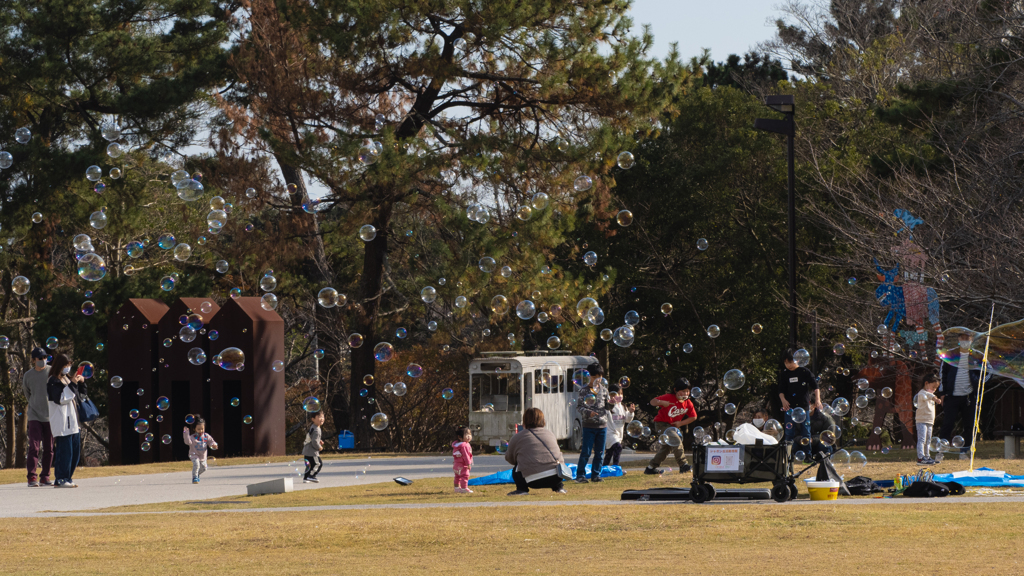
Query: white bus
{"points": [[502, 385]]}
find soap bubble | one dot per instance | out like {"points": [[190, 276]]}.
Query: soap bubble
{"points": [[702, 244], [886, 392], [839, 349], [115, 173], [6, 160], [367, 232], [582, 183], [862, 383], [277, 365], [5, 342], [957, 442], [141, 425], [585, 305], [189, 418], [773, 429], [114, 150], [857, 460], [554, 342], [116, 381], [606, 334], [163, 403], [268, 283], [182, 252], [687, 348], [110, 131], [231, 359], [428, 294], [190, 190], [595, 316], [134, 249], [88, 308], [399, 389], [247, 419], [91, 267], [801, 357], [624, 218], [87, 369], [487, 264], [51, 342], [499, 305], [734, 379], [383, 351], [851, 333], [666, 308], [311, 404], [269, 301], [368, 154], [524, 213], [632, 318], [20, 285], [840, 458], [827, 438], [625, 160], [196, 356], [623, 336], [635, 428], [166, 241], [590, 258], [862, 401], [414, 370], [841, 406], [93, 173], [730, 408], [799, 415], [447, 393], [714, 331], [870, 393], [98, 220], [432, 326], [355, 340], [580, 378], [379, 421]]}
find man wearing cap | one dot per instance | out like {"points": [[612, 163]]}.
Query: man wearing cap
{"points": [[39, 436]]}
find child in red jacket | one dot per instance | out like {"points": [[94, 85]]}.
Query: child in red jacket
{"points": [[462, 459]]}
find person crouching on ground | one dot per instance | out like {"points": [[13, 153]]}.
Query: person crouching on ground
{"points": [[675, 410], [462, 459], [619, 416], [199, 443], [533, 452]]}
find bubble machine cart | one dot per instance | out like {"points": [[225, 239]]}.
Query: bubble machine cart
{"points": [[743, 464]]}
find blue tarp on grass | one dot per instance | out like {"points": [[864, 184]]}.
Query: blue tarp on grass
{"points": [[505, 476], [982, 477]]}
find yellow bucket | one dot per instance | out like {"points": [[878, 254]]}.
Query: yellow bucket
{"points": [[823, 490]]}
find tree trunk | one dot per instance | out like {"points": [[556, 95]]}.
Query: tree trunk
{"points": [[365, 323], [9, 423]]}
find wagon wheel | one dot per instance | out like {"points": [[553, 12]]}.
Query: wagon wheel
{"points": [[792, 489], [698, 493], [711, 491], [780, 493]]}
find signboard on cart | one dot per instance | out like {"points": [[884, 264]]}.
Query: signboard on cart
{"points": [[724, 459]]}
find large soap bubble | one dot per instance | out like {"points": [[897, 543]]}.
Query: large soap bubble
{"points": [[196, 356], [20, 285], [801, 357], [623, 336], [525, 310], [231, 359], [499, 305], [428, 294], [92, 267], [799, 415], [635, 428], [379, 421], [714, 331], [383, 351], [624, 218], [584, 305], [329, 298], [595, 316], [773, 429], [625, 160], [189, 189], [487, 264], [734, 379]]}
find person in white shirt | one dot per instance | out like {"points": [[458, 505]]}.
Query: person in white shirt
{"points": [[925, 416], [618, 417]]}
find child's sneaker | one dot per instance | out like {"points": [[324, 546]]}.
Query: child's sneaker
{"points": [[314, 480], [467, 491], [195, 480]]}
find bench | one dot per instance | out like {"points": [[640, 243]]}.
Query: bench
{"points": [[1011, 439]]}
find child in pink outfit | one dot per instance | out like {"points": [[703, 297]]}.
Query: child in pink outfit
{"points": [[198, 445], [462, 459]]}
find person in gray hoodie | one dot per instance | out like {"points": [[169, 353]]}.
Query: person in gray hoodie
{"points": [[40, 439], [592, 404]]}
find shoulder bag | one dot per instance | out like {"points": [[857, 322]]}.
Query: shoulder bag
{"points": [[87, 411], [561, 469]]}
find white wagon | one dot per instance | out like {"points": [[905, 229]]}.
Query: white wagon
{"points": [[502, 385]]}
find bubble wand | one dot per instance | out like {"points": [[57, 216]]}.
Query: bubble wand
{"points": [[981, 386]]}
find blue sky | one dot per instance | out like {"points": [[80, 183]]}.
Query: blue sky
{"points": [[723, 26]]}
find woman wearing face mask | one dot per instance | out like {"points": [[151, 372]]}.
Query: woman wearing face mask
{"points": [[63, 391], [760, 417]]}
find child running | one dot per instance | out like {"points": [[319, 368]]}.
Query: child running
{"points": [[925, 416], [199, 442], [311, 449], [462, 459], [619, 416]]}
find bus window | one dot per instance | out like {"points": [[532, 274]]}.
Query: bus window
{"points": [[499, 390], [536, 386], [528, 388]]}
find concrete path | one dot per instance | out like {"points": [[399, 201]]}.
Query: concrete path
{"points": [[17, 500]]}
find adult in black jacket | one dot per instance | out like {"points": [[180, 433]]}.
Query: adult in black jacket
{"points": [[64, 391], [958, 388]]}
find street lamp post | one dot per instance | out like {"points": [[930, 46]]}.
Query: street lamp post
{"points": [[786, 105]]}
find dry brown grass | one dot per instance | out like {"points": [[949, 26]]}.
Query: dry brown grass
{"points": [[638, 539]]}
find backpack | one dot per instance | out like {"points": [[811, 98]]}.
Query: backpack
{"points": [[923, 489], [862, 486]]}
